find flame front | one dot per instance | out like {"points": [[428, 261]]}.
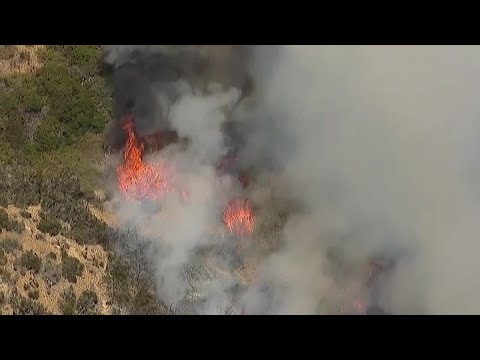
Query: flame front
{"points": [[238, 216], [137, 179]]}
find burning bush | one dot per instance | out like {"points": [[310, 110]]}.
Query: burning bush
{"points": [[238, 217], [139, 180]]}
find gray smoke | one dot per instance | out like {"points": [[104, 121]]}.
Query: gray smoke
{"points": [[376, 146], [149, 79], [188, 90], [384, 158]]}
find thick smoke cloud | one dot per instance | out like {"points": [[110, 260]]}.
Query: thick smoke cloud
{"points": [[148, 80], [384, 158], [375, 144], [188, 90]]}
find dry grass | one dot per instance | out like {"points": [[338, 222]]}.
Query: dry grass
{"points": [[19, 59], [105, 216], [93, 257]]}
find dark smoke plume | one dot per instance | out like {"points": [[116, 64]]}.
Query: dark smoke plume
{"points": [[148, 80]]}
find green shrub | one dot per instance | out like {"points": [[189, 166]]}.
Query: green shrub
{"points": [[25, 306], [6, 151], [68, 305], [7, 51], [30, 261], [25, 214], [48, 224], [3, 218], [51, 272], [85, 57], [3, 257], [78, 100], [87, 303], [17, 226], [120, 278], [55, 164], [71, 267], [9, 245], [146, 303], [49, 135], [4, 275]]}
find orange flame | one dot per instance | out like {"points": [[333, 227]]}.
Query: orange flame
{"points": [[238, 216], [139, 180], [136, 179]]}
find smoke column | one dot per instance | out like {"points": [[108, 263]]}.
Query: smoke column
{"points": [[376, 144]]}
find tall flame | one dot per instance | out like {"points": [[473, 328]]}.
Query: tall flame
{"points": [[137, 179]]}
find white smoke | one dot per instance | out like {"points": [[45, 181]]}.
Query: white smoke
{"points": [[385, 160], [378, 144], [188, 217]]}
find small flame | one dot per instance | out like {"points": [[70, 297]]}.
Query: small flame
{"points": [[359, 307], [352, 303], [238, 216]]}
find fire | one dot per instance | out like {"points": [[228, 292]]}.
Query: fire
{"points": [[238, 216], [137, 179], [359, 307], [140, 180]]}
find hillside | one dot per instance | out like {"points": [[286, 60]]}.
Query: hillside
{"points": [[57, 237]]}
